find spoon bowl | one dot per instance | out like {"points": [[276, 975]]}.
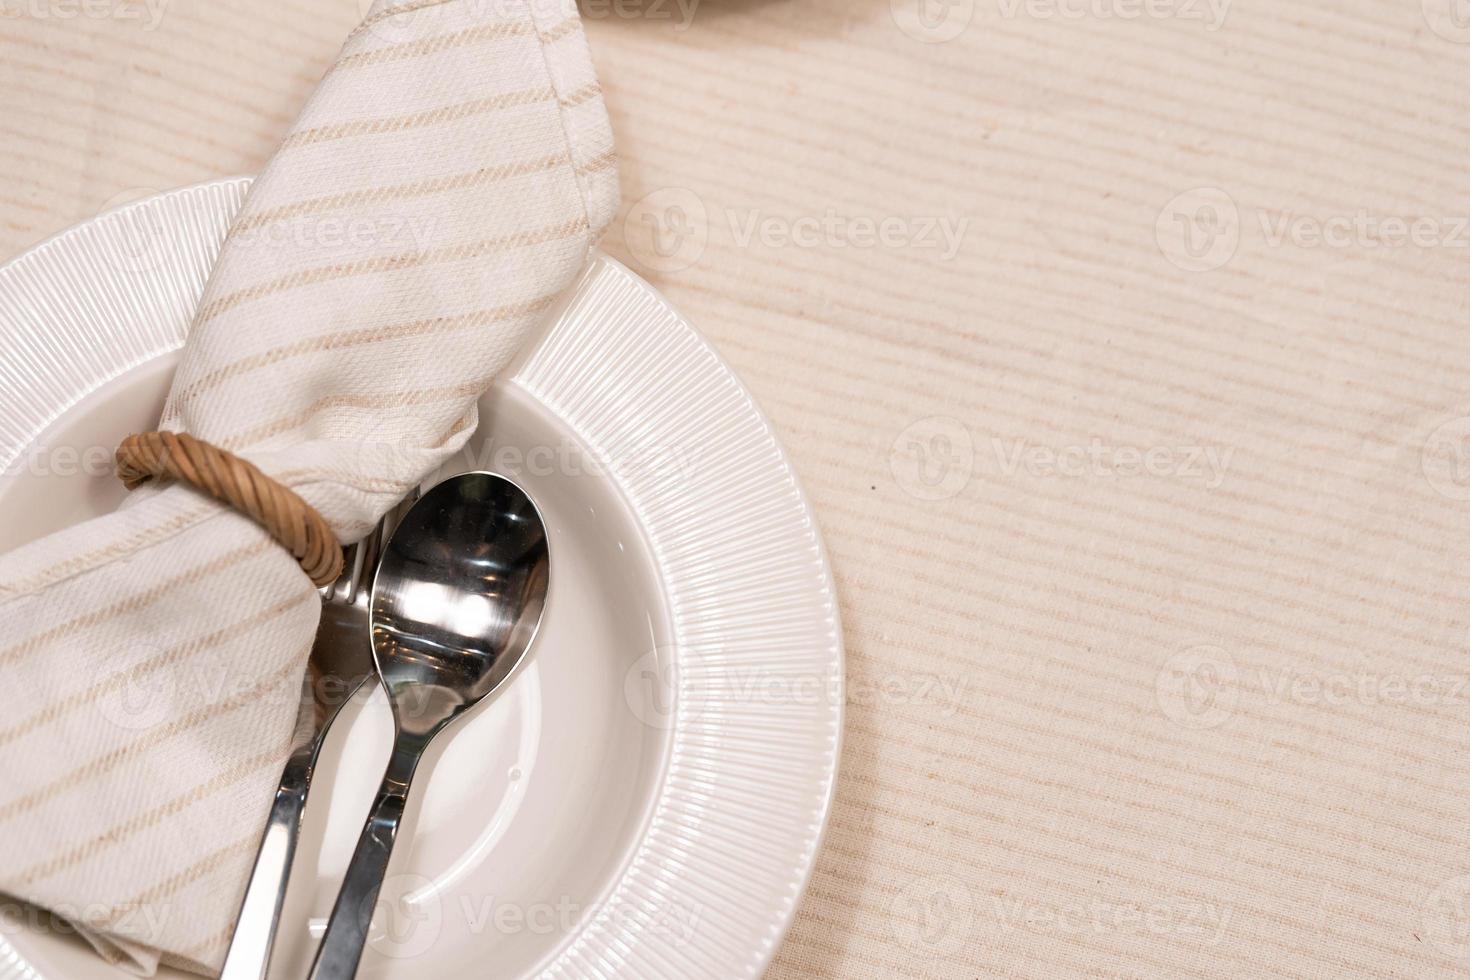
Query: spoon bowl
{"points": [[458, 598]]}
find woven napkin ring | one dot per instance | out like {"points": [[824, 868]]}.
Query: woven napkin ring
{"points": [[231, 480]]}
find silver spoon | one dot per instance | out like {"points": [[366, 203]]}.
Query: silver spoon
{"points": [[456, 604], [341, 662]]}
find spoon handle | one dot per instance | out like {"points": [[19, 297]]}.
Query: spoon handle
{"points": [[260, 913], [352, 915]]}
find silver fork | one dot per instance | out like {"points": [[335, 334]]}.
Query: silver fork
{"points": [[341, 662]]}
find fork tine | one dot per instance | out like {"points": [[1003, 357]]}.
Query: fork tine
{"points": [[335, 591], [360, 560], [356, 565]]}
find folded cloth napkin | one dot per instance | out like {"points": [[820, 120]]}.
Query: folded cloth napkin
{"points": [[443, 185]]}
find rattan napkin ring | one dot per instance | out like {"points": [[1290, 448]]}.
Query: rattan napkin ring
{"points": [[233, 481]]}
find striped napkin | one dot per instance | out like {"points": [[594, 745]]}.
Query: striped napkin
{"points": [[442, 187]]}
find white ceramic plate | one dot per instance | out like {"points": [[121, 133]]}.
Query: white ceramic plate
{"points": [[647, 799]]}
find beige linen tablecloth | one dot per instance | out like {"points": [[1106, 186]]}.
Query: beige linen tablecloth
{"points": [[1123, 348]]}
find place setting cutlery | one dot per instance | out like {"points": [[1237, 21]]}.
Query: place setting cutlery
{"points": [[679, 572], [441, 603]]}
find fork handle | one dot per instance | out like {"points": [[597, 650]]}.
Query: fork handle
{"points": [[255, 928], [352, 916]]}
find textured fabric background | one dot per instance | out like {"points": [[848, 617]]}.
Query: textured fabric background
{"points": [[1144, 488]]}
